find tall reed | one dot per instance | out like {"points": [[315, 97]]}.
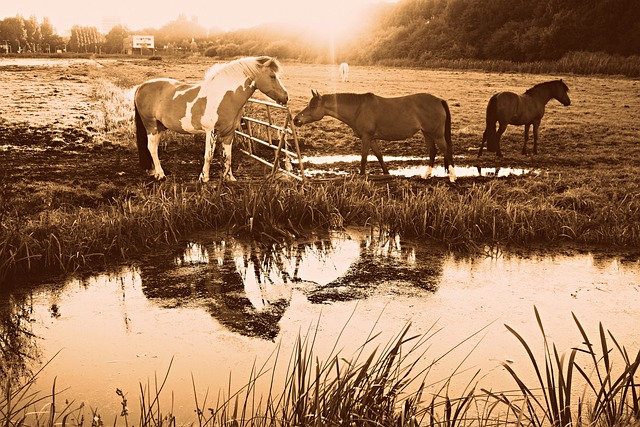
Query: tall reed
{"points": [[610, 397], [381, 385]]}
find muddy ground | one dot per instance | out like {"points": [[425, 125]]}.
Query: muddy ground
{"points": [[57, 151]]}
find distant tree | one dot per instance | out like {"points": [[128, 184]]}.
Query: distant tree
{"points": [[114, 41], [51, 41], [84, 39], [13, 30], [518, 30], [280, 49], [180, 30], [34, 36]]}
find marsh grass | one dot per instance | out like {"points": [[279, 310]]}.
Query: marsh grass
{"points": [[585, 63], [113, 116], [66, 239], [609, 398], [382, 385]]}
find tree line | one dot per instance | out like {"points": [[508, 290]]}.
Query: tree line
{"points": [[514, 30], [28, 35], [414, 31]]}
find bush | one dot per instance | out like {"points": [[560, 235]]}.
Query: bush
{"points": [[211, 52]]}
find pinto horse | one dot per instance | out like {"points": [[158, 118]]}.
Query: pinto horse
{"points": [[373, 117], [213, 107], [508, 108]]}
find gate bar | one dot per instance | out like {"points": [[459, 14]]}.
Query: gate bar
{"points": [[284, 130]]}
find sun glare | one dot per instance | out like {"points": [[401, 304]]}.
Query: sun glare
{"points": [[327, 20], [332, 20]]}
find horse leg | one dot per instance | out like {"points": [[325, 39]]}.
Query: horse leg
{"points": [[153, 140], [210, 147], [227, 143], [484, 139], [364, 152], [526, 138], [536, 126], [378, 153], [431, 146], [448, 157], [501, 129]]}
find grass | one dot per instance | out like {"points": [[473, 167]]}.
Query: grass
{"points": [[463, 218], [380, 386], [584, 63], [584, 200]]}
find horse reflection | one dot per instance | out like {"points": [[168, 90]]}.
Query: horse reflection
{"points": [[244, 286], [247, 287], [383, 261]]}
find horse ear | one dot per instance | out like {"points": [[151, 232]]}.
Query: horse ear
{"points": [[315, 93]]}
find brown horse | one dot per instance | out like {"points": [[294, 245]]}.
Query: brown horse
{"points": [[212, 107], [508, 108], [390, 119]]}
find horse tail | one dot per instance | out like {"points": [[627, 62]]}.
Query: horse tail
{"points": [[490, 134], [447, 127], [144, 155]]}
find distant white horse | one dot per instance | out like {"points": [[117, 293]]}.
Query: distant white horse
{"points": [[344, 71]]}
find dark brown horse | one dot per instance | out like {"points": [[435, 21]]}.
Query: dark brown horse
{"points": [[373, 117], [508, 108]]}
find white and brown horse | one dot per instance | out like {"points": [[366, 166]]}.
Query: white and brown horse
{"points": [[213, 107]]}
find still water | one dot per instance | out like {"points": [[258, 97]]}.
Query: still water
{"points": [[405, 166], [215, 307]]}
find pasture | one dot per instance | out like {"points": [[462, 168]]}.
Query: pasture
{"points": [[73, 196], [67, 133]]}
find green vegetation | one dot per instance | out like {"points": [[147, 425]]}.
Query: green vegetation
{"points": [[382, 386]]}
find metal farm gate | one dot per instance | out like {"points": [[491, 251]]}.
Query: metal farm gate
{"points": [[260, 132]]}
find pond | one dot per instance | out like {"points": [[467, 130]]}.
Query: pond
{"points": [[405, 166], [215, 307]]}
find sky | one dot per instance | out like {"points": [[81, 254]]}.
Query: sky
{"points": [[317, 15]]}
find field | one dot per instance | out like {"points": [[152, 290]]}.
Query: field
{"points": [[72, 195], [68, 154]]}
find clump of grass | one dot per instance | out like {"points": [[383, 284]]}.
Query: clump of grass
{"points": [[113, 117], [365, 390], [610, 398]]}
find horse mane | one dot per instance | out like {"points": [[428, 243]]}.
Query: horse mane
{"points": [[249, 66], [545, 84]]}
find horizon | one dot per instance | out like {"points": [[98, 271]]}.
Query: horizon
{"points": [[331, 17]]}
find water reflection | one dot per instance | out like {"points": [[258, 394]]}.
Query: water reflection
{"points": [[403, 166], [18, 344], [216, 305], [247, 286]]}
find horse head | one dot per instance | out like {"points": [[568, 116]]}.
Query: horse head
{"points": [[267, 80], [313, 112], [561, 93]]}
